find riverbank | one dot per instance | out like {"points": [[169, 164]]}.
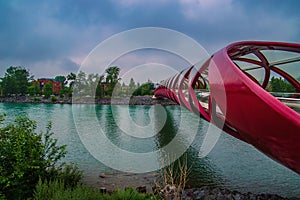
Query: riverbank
{"points": [[146, 183], [137, 100]]}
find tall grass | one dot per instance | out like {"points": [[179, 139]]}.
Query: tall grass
{"points": [[174, 180], [57, 190]]}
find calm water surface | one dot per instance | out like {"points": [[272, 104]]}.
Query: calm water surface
{"points": [[231, 163]]}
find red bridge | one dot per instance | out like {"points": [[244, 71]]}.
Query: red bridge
{"points": [[250, 90]]}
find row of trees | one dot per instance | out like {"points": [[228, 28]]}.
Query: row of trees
{"points": [[19, 81], [100, 86]]}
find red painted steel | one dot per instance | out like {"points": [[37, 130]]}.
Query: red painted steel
{"points": [[225, 91]]}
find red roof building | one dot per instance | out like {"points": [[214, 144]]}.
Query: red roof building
{"points": [[56, 86]]}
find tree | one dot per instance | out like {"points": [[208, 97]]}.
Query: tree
{"points": [[280, 85], [131, 84], [112, 78], [80, 83], [61, 79], [71, 77], [65, 92], [33, 89], [144, 89], [15, 81], [48, 90], [26, 156], [93, 80]]}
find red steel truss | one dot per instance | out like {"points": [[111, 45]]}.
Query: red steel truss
{"points": [[232, 90]]}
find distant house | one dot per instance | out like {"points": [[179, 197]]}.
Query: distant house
{"points": [[56, 86]]}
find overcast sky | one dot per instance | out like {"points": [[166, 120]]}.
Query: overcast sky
{"points": [[54, 37]]}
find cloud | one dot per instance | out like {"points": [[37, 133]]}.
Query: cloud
{"points": [[205, 9], [40, 33]]}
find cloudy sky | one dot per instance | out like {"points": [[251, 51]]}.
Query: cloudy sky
{"points": [[54, 37]]}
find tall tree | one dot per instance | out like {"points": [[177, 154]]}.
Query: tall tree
{"points": [[131, 84], [112, 78], [34, 89], [61, 79], [15, 81], [93, 80], [71, 77], [48, 90], [80, 83], [132, 87]]}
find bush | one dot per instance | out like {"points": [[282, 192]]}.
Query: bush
{"points": [[37, 99], [144, 89], [53, 99], [56, 190], [26, 156]]}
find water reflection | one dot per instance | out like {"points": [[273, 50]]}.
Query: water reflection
{"points": [[202, 170], [231, 163]]}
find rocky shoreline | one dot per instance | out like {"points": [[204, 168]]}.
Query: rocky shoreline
{"points": [[207, 192], [138, 100], [145, 183]]}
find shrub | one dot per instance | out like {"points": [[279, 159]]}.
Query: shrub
{"points": [[37, 99], [53, 99], [26, 156], [174, 179]]}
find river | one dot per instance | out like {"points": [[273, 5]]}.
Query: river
{"points": [[140, 129]]}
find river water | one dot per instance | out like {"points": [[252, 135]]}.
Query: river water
{"points": [[142, 129]]}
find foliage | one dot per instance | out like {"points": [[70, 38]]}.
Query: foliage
{"points": [[132, 87], [71, 77], [48, 90], [34, 89], [26, 156], [131, 83], [56, 190], [61, 79], [88, 85], [174, 179], [144, 89], [279, 85], [112, 78], [15, 81], [65, 92], [80, 83], [92, 81], [53, 99], [37, 99]]}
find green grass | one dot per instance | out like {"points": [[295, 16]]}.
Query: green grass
{"points": [[56, 190]]}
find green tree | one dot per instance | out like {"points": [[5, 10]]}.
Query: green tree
{"points": [[61, 79], [71, 77], [93, 80], [80, 84], [34, 89], [132, 83], [48, 90], [132, 87], [15, 81], [65, 92], [112, 78], [144, 89], [26, 156], [280, 85]]}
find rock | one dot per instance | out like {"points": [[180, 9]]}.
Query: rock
{"points": [[102, 175], [155, 175], [142, 189], [102, 190]]}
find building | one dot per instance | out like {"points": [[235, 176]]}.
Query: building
{"points": [[56, 86]]}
